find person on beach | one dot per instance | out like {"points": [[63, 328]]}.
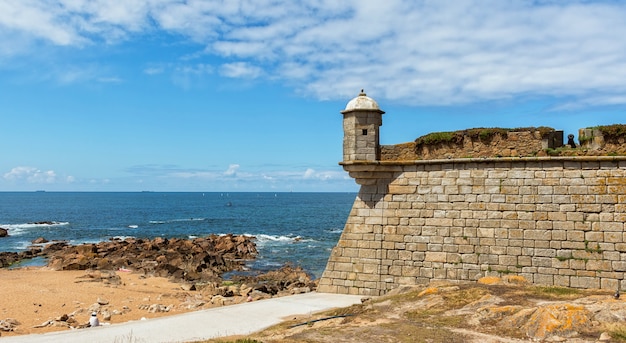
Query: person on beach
{"points": [[93, 320]]}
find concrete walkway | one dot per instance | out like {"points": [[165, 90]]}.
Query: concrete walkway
{"points": [[238, 319]]}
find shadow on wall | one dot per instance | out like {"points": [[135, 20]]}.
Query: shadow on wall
{"points": [[372, 194]]}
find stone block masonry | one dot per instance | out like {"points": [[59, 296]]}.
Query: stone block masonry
{"points": [[553, 220]]}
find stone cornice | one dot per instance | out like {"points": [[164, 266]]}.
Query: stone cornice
{"points": [[350, 164], [368, 172]]}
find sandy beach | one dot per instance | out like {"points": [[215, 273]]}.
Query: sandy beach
{"points": [[34, 296]]}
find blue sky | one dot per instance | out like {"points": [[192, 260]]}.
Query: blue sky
{"points": [[245, 95]]}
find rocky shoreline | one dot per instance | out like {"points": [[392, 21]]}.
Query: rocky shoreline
{"points": [[195, 262], [190, 260], [181, 259]]}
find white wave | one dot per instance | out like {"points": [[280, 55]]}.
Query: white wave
{"points": [[263, 239], [185, 220], [84, 241], [13, 230], [122, 237], [52, 223], [268, 264], [32, 225], [21, 245], [272, 238], [177, 220], [20, 229], [97, 240], [133, 226]]}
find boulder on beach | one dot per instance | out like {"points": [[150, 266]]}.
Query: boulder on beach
{"points": [[3, 232]]}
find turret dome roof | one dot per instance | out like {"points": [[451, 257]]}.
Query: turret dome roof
{"points": [[362, 103]]}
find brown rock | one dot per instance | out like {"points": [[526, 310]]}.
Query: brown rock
{"points": [[55, 246], [86, 249], [39, 240], [104, 264], [8, 324], [562, 319], [4, 232], [287, 279], [8, 258]]}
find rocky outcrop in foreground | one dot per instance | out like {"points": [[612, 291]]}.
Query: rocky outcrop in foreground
{"points": [[502, 310], [550, 320]]}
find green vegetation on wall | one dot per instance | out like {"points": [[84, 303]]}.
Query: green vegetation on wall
{"points": [[612, 131], [482, 134]]}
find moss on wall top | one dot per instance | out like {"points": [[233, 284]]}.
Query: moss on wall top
{"points": [[613, 131], [482, 134]]}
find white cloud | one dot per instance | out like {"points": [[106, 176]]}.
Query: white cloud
{"points": [[327, 175], [309, 173], [232, 170], [257, 175], [38, 20], [66, 74], [196, 19], [154, 70], [160, 177], [186, 76], [240, 70], [99, 181], [426, 52], [193, 175], [31, 175], [197, 69]]}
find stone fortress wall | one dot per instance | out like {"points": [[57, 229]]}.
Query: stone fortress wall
{"points": [[555, 220]]}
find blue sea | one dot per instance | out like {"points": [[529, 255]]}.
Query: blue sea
{"points": [[296, 228]]}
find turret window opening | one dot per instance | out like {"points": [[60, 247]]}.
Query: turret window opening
{"points": [[364, 132]]}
